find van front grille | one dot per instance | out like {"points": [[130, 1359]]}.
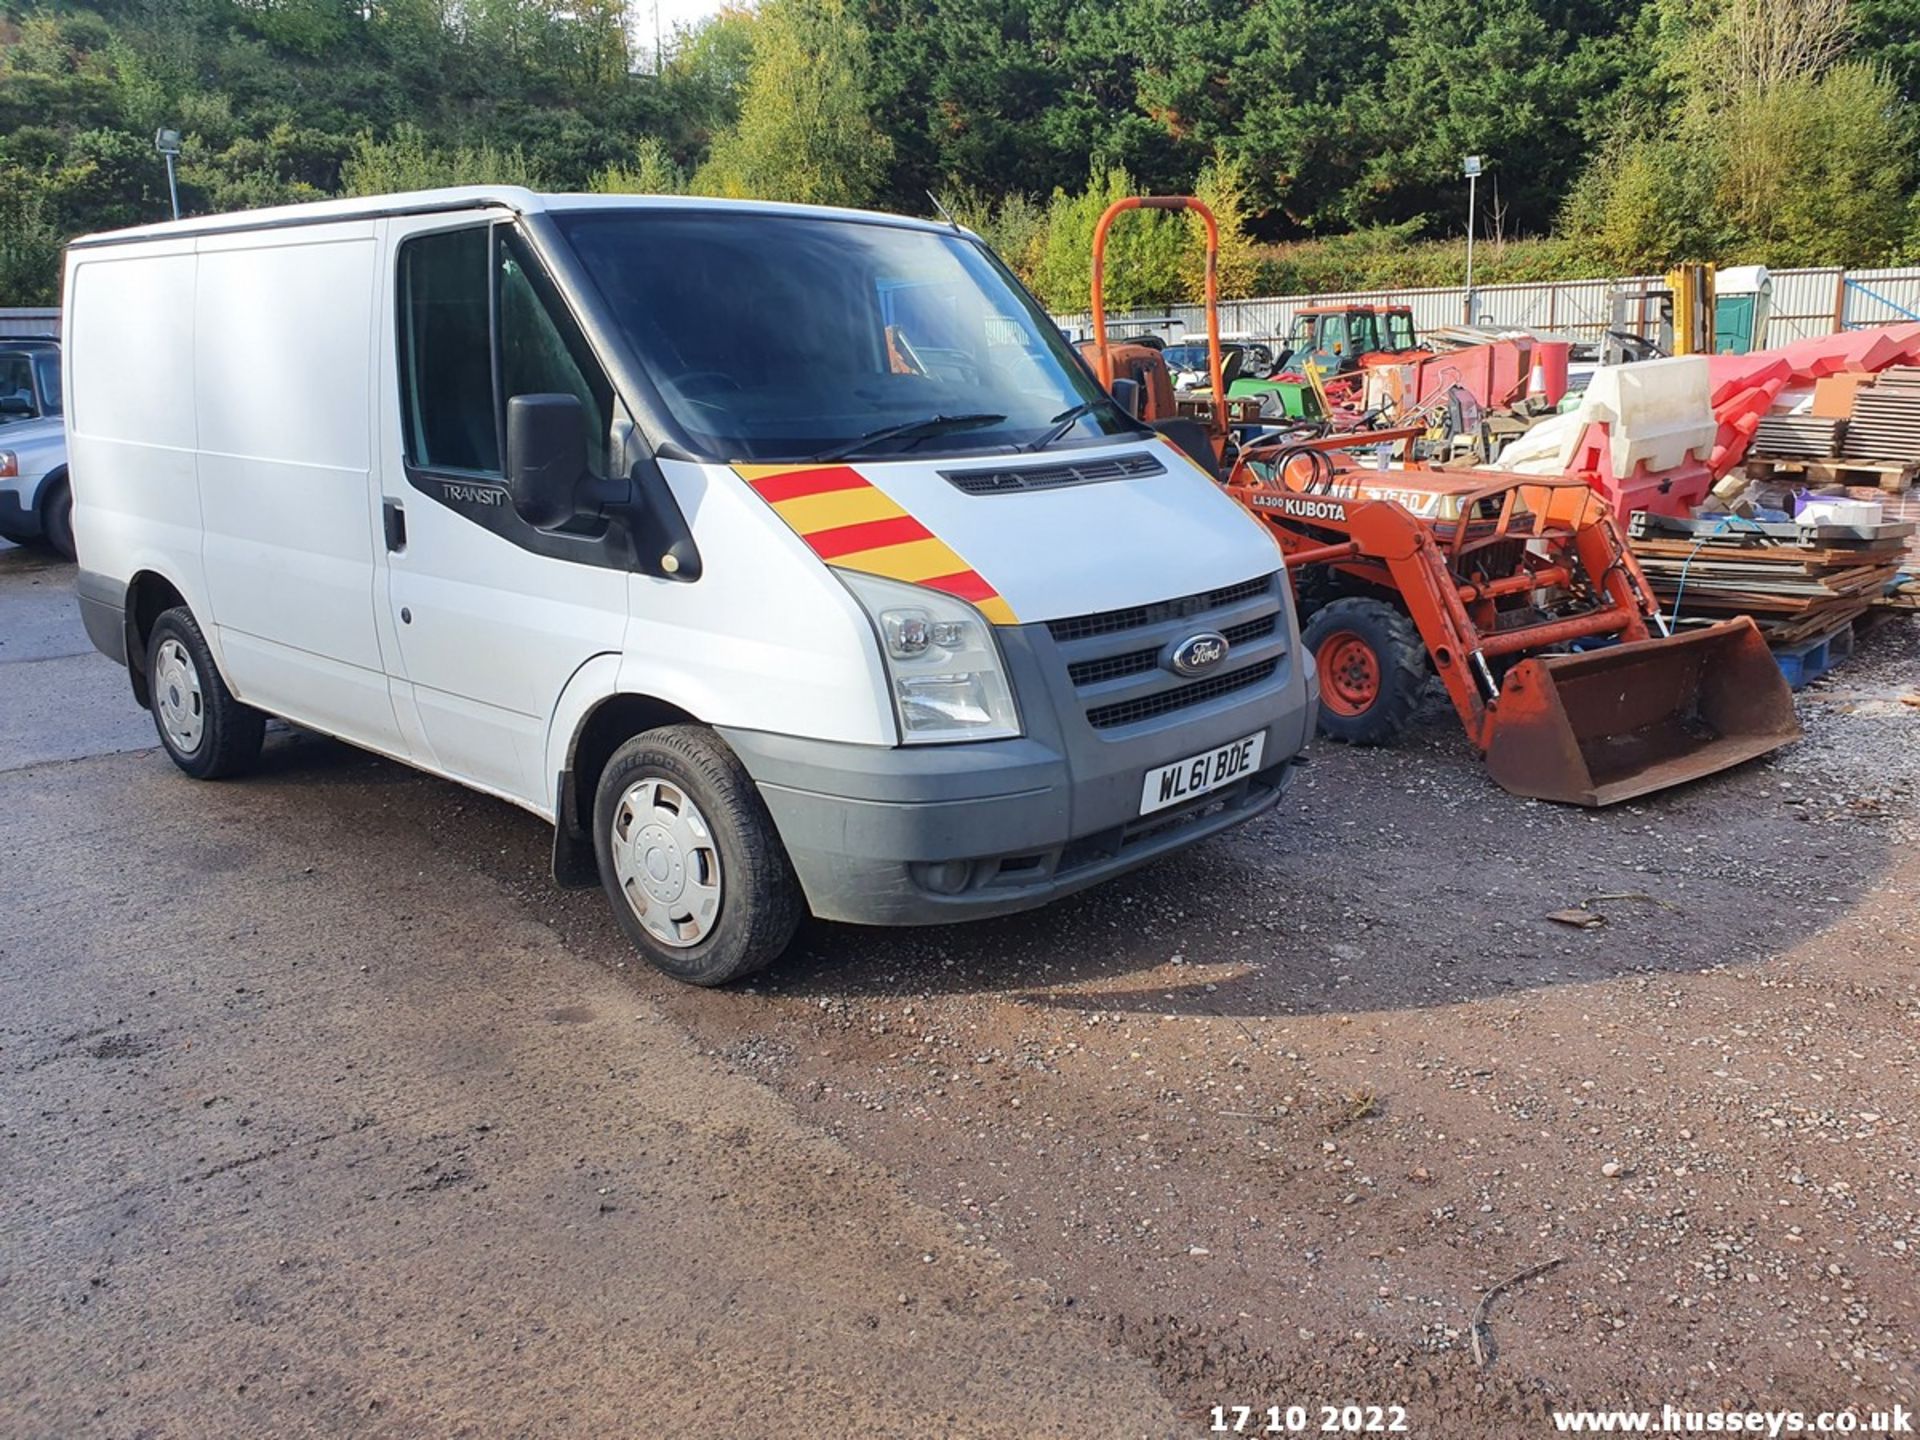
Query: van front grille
{"points": [[1136, 617], [1131, 712], [1138, 662], [1114, 658]]}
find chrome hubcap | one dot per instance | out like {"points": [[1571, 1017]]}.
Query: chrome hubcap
{"points": [[667, 863], [176, 696]]}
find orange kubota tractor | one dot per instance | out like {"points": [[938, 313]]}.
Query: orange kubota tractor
{"points": [[1520, 593]]}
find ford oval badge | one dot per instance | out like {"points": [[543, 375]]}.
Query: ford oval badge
{"points": [[1197, 654]]}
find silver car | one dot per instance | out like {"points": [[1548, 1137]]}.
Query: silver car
{"points": [[36, 502]]}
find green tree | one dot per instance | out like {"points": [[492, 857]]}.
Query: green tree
{"points": [[707, 76], [1014, 227], [1889, 36], [650, 172], [1814, 170], [1772, 146], [1222, 187], [29, 241], [409, 161], [1146, 253], [804, 133]]}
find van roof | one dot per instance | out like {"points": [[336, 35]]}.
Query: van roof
{"points": [[512, 198]]}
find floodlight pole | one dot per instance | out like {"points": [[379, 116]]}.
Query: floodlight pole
{"points": [[1472, 168], [167, 142]]}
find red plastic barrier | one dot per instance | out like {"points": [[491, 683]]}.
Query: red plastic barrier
{"points": [[1728, 375], [1659, 492], [1739, 416]]}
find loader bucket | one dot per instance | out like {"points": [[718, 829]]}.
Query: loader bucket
{"points": [[1610, 724]]}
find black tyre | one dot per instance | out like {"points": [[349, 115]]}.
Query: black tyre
{"points": [[690, 859], [56, 518], [1373, 669], [1314, 588], [209, 734]]}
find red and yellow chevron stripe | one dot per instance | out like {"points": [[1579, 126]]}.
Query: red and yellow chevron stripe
{"points": [[857, 526]]}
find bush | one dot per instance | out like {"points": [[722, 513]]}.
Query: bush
{"points": [[651, 172], [29, 242], [409, 162]]}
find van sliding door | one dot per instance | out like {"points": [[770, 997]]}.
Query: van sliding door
{"points": [[283, 410]]}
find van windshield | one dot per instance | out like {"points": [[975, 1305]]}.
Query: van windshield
{"points": [[775, 337]]}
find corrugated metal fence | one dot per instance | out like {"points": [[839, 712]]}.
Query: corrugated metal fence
{"points": [[28, 321], [1805, 303]]}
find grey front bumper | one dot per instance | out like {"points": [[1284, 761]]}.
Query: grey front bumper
{"points": [[915, 835]]}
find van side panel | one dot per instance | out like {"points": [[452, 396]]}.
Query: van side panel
{"points": [[768, 639], [130, 413], [283, 401]]}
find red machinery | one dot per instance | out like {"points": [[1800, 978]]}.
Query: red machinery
{"points": [[1494, 583], [1491, 582]]}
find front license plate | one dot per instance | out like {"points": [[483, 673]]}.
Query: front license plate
{"points": [[1198, 774]]}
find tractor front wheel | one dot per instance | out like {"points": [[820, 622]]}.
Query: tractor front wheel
{"points": [[1373, 668]]}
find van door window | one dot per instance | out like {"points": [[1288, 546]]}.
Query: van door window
{"points": [[454, 409], [542, 351], [446, 355]]}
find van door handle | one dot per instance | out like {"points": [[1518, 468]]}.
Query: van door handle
{"points": [[395, 517]]}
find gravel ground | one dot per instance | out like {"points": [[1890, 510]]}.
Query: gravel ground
{"points": [[1272, 1118], [1278, 1113]]}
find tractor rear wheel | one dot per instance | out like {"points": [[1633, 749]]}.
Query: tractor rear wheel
{"points": [[1373, 668]]}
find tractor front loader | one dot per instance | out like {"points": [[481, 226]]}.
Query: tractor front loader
{"points": [[1524, 598], [1519, 593]]}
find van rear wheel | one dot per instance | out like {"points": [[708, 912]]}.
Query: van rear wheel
{"points": [[207, 732], [690, 857]]}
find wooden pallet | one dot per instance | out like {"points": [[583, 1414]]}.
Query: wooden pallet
{"points": [[1822, 474], [1813, 625]]}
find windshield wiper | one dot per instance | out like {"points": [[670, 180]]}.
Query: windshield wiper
{"points": [[919, 429], [1066, 420]]}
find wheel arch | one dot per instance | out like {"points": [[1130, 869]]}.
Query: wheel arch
{"points": [[593, 719], [56, 476], [149, 595]]}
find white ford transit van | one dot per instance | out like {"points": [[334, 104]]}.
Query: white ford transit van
{"points": [[783, 558]]}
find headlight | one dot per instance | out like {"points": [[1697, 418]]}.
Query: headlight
{"points": [[9, 465], [949, 682]]}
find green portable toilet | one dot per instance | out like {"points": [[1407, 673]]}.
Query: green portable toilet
{"points": [[1742, 301]]}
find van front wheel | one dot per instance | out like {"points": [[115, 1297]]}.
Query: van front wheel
{"points": [[690, 857]]}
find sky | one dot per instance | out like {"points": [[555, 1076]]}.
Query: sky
{"points": [[672, 13]]}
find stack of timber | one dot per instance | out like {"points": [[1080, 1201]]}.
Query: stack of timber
{"points": [[1862, 430], [1796, 589], [1797, 437], [1885, 428]]}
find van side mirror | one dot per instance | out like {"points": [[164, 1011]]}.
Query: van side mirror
{"points": [[1126, 394], [546, 457]]}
